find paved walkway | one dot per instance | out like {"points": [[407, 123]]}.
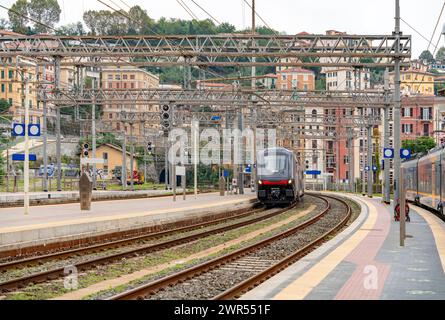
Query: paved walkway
{"points": [[366, 262]]}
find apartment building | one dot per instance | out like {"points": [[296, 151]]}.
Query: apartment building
{"points": [[128, 78], [296, 79]]}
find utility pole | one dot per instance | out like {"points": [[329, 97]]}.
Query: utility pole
{"points": [[58, 135], [45, 135], [386, 162], [397, 126]]}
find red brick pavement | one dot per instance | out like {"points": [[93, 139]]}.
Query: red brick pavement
{"points": [[368, 279]]}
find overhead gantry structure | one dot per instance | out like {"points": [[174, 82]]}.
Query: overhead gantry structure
{"points": [[224, 50], [241, 50], [243, 97]]}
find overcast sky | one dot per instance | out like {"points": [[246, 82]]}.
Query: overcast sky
{"points": [[291, 16]]}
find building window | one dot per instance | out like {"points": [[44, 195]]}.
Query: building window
{"points": [[294, 83], [3, 74], [10, 101], [110, 77], [132, 77], [3, 87], [10, 88], [118, 77], [125, 77], [105, 155], [11, 74], [314, 144]]}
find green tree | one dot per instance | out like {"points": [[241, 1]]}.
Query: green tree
{"points": [[72, 29], [427, 55], [4, 106], [140, 22], [440, 55], [4, 24], [46, 12], [18, 22], [420, 145]]}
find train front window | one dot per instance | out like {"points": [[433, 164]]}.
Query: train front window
{"points": [[273, 165]]}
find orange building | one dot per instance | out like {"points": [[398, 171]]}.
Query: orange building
{"points": [[296, 79]]}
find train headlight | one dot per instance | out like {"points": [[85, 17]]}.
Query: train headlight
{"points": [[260, 182], [289, 182]]}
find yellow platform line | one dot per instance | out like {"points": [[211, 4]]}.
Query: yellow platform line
{"points": [[117, 217], [302, 286], [438, 230]]}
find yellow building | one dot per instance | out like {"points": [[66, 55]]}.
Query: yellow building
{"points": [[128, 78], [11, 80], [112, 156], [415, 81]]}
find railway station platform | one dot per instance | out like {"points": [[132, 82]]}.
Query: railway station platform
{"points": [[66, 222], [58, 197], [366, 262]]}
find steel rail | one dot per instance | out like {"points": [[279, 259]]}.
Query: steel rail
{"points": [[84, 265], [152, 287], [15, 264], [249, 284]]}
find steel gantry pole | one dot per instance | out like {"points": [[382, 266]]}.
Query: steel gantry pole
{"points": [[131, 157], [351, 159], [26, 162], [386, 133], [93, 135], [253, 174], [240, 144], [397, 127], [58, 134], [370, 147], [124, 161], [45, 136]]}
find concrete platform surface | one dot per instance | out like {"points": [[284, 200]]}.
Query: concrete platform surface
{"points": [[366, 262], [8, 199], [64, 221]]}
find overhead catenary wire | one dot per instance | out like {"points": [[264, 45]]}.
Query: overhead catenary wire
{"points": [[432, 37], [124, 3], [212, 17], [257, 14], [415, 30], [187, 9]]}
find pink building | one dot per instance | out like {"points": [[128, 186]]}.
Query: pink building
{"points": [[417, 117]]}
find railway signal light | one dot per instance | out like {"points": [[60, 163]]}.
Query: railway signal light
{"points": [[166, 116], [150, 147], [85, 151]]}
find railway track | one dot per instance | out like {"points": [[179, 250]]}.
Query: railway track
{"points": [[229, 276], [58, 272], [64, 254]]}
